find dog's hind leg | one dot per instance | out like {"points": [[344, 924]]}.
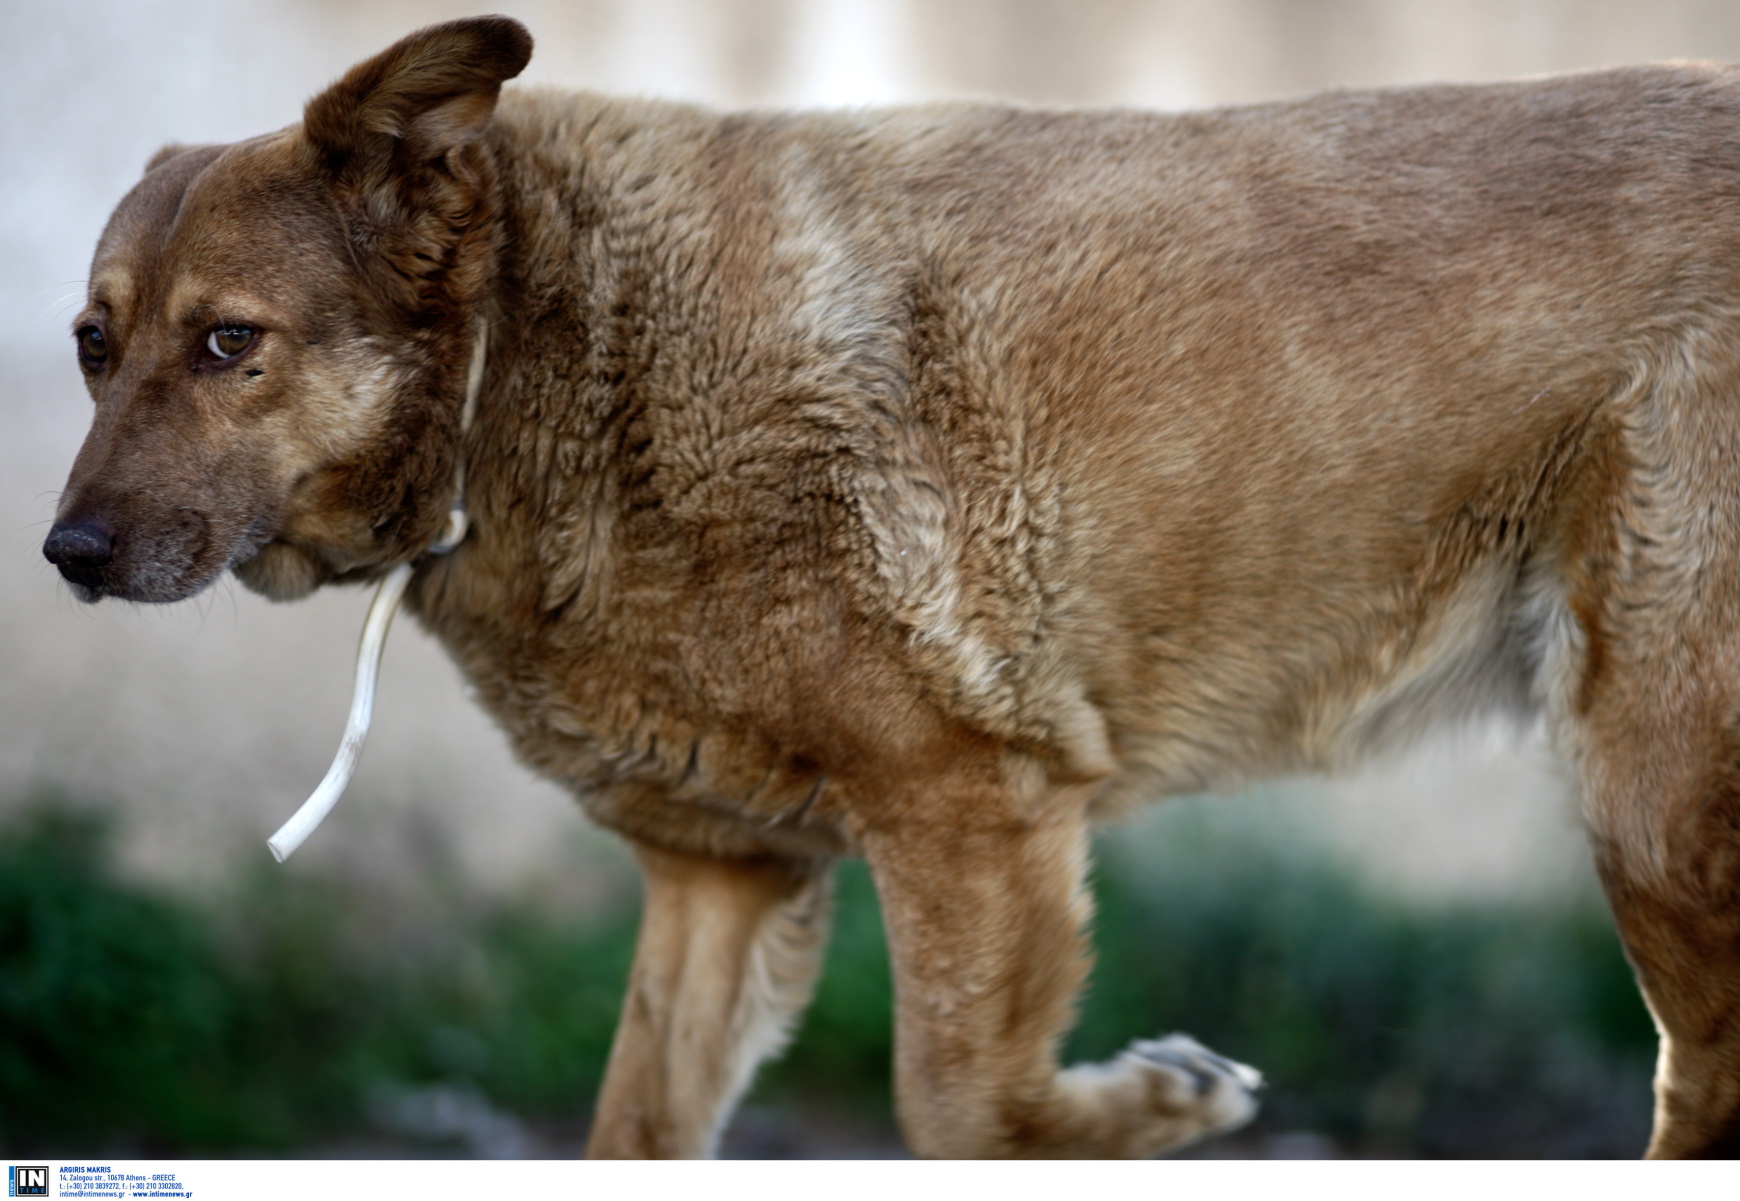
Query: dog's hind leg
{"points": [[1660, 761], [1651, 715], [728, 956], [1664, 804], [985, 907]]}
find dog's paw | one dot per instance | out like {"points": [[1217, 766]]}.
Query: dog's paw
{"points": [[1187, 1093], [1192, 1081], [1158, 1095]]}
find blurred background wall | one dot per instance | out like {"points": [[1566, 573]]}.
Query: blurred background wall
{"points": [[203, 725]]}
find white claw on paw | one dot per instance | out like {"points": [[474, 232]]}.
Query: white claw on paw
{"points": [[1156, 1096], [1223, 1091], [1181, 1048]]}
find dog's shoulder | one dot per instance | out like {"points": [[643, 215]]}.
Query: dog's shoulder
{"points": [[728, 381]]}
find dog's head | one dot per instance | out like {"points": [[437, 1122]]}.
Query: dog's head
{"points": [[278, 332]]}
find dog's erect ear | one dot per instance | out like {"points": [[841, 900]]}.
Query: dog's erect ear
{"points": [[420, 99]]}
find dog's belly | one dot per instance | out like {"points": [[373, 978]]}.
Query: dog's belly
{"points": [[1497, 647], [1242, 620]]}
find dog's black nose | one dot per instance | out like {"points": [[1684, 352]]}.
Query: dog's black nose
{"points": [[81, 549]]}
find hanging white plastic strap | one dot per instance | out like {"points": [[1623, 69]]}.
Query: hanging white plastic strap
{"points": [[356, 730], [303, 822]]}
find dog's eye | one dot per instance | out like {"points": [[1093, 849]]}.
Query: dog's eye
{"points": [[228, 341], [93, 347]]}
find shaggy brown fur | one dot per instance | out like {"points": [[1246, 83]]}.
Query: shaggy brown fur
{"points": [[927, 484]]}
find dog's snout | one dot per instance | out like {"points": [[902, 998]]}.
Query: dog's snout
{"points": [[81, 549]]}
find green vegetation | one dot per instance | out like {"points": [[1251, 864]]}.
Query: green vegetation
{"points": [[1485, 1030], [135, 1020]]}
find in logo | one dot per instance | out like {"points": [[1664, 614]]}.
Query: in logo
{"points": [[27, 1182]]}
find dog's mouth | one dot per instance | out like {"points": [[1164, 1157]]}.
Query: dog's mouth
{"points": [[84, 593]]}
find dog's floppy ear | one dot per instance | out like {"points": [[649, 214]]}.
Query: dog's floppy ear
{"points": [[398, 138], [420, 99]]}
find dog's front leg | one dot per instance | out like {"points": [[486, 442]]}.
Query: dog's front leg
{"points": [[985, 914], [728, 956]]}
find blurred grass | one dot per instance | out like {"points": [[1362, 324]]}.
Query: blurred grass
{"points": [[276, 1017], [1504, 1028]]}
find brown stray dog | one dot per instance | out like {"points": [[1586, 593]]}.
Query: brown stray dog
{"points": [[929, 484]]}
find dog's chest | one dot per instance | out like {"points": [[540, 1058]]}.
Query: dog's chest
{"points": [[685, 751]]}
